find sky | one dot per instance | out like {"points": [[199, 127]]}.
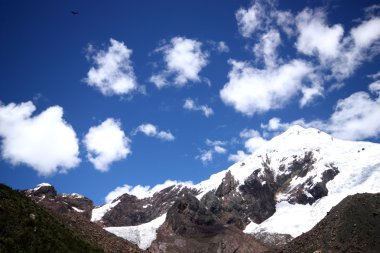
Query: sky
{"points": [[125, 95]]}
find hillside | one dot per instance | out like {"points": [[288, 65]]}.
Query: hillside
{"points": [[351, 226], [74, 211], [27, 227]]}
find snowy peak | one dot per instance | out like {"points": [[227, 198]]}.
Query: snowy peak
{"points": [[283, 188]]}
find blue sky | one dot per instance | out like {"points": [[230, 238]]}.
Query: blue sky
{"points": [[139, 92]]}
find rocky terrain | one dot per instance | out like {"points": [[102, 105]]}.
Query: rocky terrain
{"points": [[74, 211], [351, 226], [191, 227]]}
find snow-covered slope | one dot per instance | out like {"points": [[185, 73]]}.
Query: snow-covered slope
{"points": [[324, 164], [143, 235], [359, 171]]}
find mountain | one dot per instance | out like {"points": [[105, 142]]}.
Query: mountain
{"points": [[74, 211], [26, 227], [351, 226], [277, 193]]}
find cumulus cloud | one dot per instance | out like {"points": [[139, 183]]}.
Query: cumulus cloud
{"points": [[214, 147], [184, 59], [252, 140], [152, 131], [143, 191], [45, 142], [113, 72], [354, 118], [192, 106], [250, 90], [316, 36], [106, 143], [337, 54]]}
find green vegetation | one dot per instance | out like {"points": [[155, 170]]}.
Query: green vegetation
{"points": [[26, 227]]}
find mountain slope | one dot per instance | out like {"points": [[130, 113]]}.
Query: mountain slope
{"points": [[73, 210], [26, 227], [284, 188], [351, 226]]}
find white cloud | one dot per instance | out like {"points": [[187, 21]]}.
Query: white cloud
{"points": [[263, 16], [251, 90], [220, 150], [337, 54], [106, 143], [239, 156], [316, 37], [206, 156], [215, 143], [249, 133], [192, 106], [113, 72], [366, 33], [374, 76], [375, 88], [215, 147], [184, 60], [44, 142], [252, 140], [354, 118], [285, 20], [267, 48], [251, 19], [274, 124], [152, 131], [143, 191], [222, 47]]}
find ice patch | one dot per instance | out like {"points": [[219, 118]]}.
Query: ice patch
{"points": [[142, 235]]}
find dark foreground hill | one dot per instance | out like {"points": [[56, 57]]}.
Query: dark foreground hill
{"points": [[30, 224], [26, 227], [351, 226]]}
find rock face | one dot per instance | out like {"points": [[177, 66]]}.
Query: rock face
{"points": [[351, 226], [133, 211], [191, 227], [46, 195]]}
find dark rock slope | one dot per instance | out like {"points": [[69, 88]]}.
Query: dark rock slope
{"points": [[191, 227], [351, 226], [254, 200]]}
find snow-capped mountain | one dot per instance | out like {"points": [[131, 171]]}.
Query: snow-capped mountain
{"points": [[284, 188]]}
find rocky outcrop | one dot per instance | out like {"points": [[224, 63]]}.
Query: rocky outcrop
{"points": [[47, 196], [191, 227], [131, 211]]}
